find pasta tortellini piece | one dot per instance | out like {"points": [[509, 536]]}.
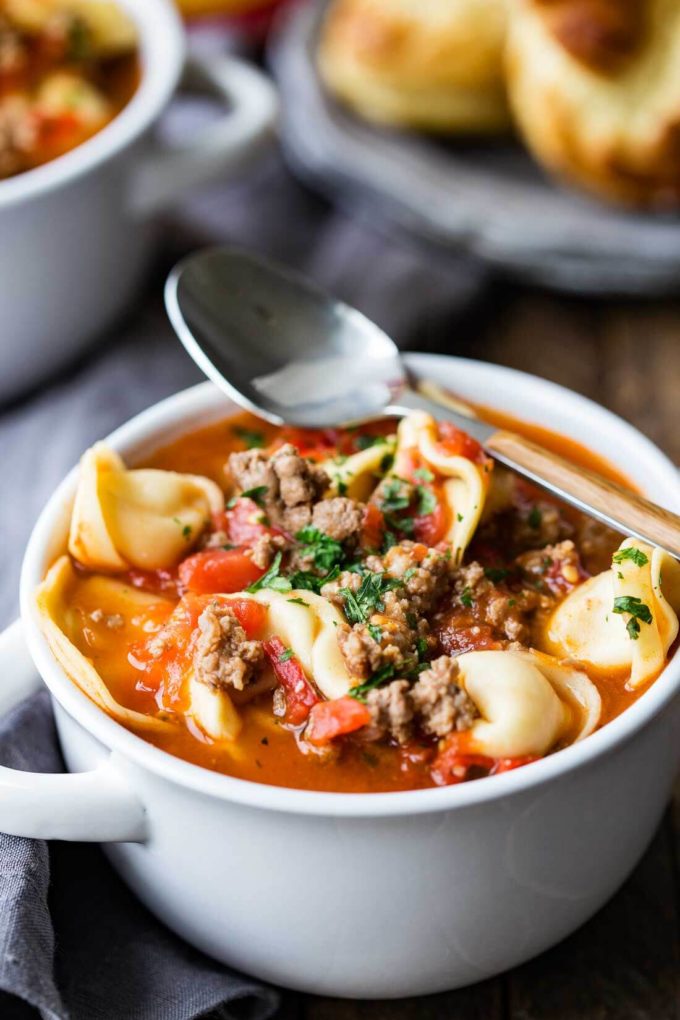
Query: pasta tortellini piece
{"points": [[140, 518], [213, 710], [59, 623], [111, 30], [527, 701], [625, 618], [465, 483], [309, 627], [357, 475]]}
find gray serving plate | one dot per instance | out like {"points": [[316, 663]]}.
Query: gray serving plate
{"points": [[489, 198]]}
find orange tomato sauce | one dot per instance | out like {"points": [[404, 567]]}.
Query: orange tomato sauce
{"points": [[266, 751]]}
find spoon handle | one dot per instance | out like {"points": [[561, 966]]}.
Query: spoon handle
{"points": [[619, 508]]}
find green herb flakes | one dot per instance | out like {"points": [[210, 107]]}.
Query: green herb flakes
{"points": [[253, 440], [631, 553]]}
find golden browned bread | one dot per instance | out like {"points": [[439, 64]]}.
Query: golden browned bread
{"points": [[595, 89], [433, 64]]}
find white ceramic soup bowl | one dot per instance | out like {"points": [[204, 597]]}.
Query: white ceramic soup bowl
{"points": [[374, 895], [77, 232]]}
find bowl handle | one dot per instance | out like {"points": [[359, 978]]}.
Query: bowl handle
{"points": [[218, 150], [92, 806]]}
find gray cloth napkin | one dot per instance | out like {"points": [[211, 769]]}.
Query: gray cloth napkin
{"points": [[75, 944]]}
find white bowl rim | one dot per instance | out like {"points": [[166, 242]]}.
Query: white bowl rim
{"points": [[162, 51], [204, 399]]}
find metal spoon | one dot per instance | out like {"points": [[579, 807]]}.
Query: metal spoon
{"points": [[284, 349]]}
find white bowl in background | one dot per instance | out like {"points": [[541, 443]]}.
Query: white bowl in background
{"points": [[77, 232], [360, 895]]}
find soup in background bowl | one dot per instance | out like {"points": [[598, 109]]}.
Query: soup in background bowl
{"points": [[67, 68]]}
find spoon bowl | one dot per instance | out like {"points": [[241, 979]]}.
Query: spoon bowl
{"points": [[277, 344], [294, 355]]}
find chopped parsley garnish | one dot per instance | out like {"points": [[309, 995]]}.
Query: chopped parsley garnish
{"points": [[257, 495], [285, 656], [365, 442], [422, 647], [253, 440], [427, 501], [324, 551], [496, 574], [631, 553], [637, 609], [466, 598], [535, 517], [272, 579], [377, 680], [342, 488], [389, 541], [299, 602], [186, 528], [311, 582], [393, 498], [423, 475], [460, 517], [368, 597], [375, 633], [386, 463]]}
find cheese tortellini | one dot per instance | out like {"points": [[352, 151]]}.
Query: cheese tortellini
{"points": [[466, 483], [527, 702], [308, 626], [137, 518], [60, 623], [625, 618]]}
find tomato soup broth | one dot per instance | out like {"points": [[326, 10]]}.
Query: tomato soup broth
{"points": [[110, 633]]}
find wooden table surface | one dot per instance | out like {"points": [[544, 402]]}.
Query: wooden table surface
{"points": [[625, 963]]}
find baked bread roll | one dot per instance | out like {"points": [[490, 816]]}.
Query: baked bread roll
{"points": [[595, 89], [432, 64]]}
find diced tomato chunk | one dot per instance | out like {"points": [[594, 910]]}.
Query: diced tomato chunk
{"points": [[373, 528], [218, 570], [299, 693], [331, 719], [454, 763], [452, 766], [459, 443], [431, 528], [245, 522]]}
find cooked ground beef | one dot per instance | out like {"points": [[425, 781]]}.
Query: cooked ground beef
{"points": [[224, 657], [387, 643], [265, 548], [392, 713], [339, 518], [442, 705], [558, 566], [538, 525], [507, 611], [293, 485]]}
